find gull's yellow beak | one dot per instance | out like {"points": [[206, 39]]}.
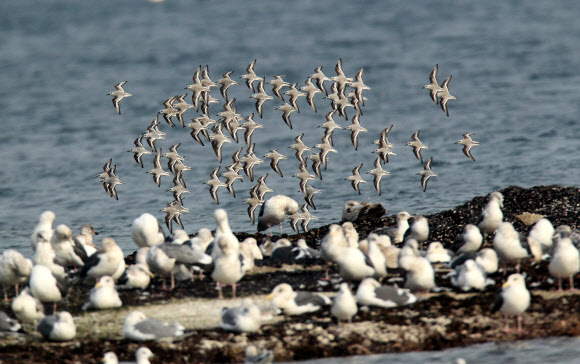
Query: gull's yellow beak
{"points": [[98, 285], [269, 297], [506, 284]]}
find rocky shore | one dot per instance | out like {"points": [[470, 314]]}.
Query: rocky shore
{"points": [[437, 321]]}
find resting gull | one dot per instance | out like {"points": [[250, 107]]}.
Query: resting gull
{"points": [[108, 261], [146, 231], [274, 211], [565, 262], [253, 357], [8, 324], [354, 265], [513, 299], [44, 224], [419, 230], [542, 232], [243, 318], [371, 293], [296, 302], [67, 252], [142, 356], [468, 241], [137, 327], [249, 249], [44, 255], [377, 259], [486, 258], [512, 246], [58, 327], [344, 306], [396, 233], [14, 269], [436, 253], [469, 275], [350, 234], [491, 216], [26, 308], [103, 295], [45, 287], [419, 271]]}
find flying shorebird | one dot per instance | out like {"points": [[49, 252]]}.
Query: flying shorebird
{"points": [[217, 141], [153, 133], [294, 95], [320, 77], [118, 95], [173, 212], [275, 157], [316, 162], [261, 97], [197, 87], [329, 125], [181, 107], [433, 87], [277, 84], [260, 188], [105, 173], [378, 172], [340, 79], [231, 175], [157, 170], [178, 189], [417, 145], [196, 128], [359, 86], [325, 148], [173, 156], [310, 90], [286, 109], [253, 201], [445, 96], [467, 144], [250, 77], [306, 217], [225, 83], [304, 176], [299, 147], [214, 184], [426, 173], [356, 129], [250, 125], [139, 150], [111, 181], [309, 194], [355, 179], [384, 146]]}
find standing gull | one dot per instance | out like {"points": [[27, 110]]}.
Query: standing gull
{"points": [[103, 296], [14, 269], [344, 306], [433, 87], [227, 264], [146, 231], [491, 216], [467, 143], [45, 224], [468, 241], [513, 299], [45, 287], [27, 308], [396, 233], [274, 211], [565, 262], [118, 95]]}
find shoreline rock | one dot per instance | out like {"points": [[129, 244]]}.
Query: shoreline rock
{"points": [[437, 321]]}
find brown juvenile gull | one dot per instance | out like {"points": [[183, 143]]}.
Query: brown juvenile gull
{"points": [[433, 87], [118, 95], [467, 143]]}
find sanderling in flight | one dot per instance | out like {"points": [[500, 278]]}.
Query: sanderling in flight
{"points": [[118, 95], [310, 90], [250, 77], [445, 96], [277, 84], [181, 107], [467, 144], [217, 141], [325, 148], [294, 95], [355, 129], [231, 175], [225, 83], [250, 125], [157, 170], [178, 189], [197, 88], [329, 125], [359, 86], [340, 79], [378, 172], [355, 179], [433, 87], [105, 173], [426, 173], [299, 147], [316, 162], [417, 145], [261, 96], [260, 189], [139, 150], [309, 194], [306, 217], [275, 157], [286, 109], [196, 128], [111, 181], [253, 201], [304, 177], [320, 77], [214, 184]]}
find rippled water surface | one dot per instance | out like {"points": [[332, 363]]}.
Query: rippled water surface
{"points": [[514, 67]]}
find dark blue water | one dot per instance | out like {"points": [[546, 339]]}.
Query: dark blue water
{"points": [[514, 67]]}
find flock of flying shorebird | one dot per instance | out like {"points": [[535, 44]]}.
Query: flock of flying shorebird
{"points": [[344, 93]]}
